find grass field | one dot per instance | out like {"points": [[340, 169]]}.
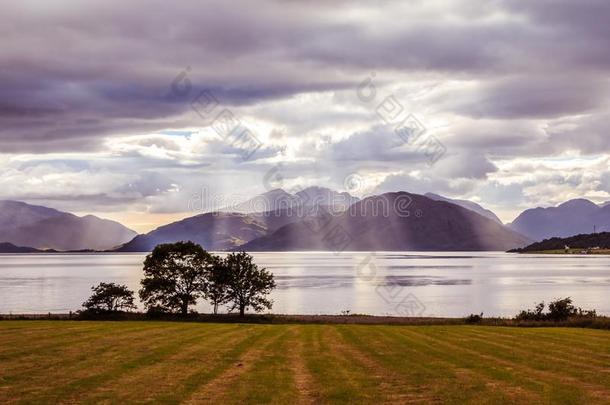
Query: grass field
{"points": [[171, 362]]}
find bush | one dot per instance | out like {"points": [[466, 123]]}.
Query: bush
{"points": [[473, 318], [535, 315], [559, 310]]}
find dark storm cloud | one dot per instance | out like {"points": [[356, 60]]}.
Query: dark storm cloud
{"points": [[533, 97], [588, 133], [70, 75]]}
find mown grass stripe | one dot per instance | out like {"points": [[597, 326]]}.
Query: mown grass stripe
{"points": [[395, 386], [578, 339], [337, 379], [213, 389], [167, 375], [97, 373], [554, 386], [270, 364], [61, 354], [512, 385], [564, 371], [26, 343], [567, 355]]}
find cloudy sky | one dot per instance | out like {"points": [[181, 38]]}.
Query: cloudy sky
{"points": [[140, 110]]}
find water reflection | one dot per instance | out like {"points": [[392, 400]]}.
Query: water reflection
{"points": [[448, 284]]}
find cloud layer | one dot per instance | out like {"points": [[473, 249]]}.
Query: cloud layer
{"points": [[97, 102]]}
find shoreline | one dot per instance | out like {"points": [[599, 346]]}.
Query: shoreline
{"points": [[598, 322]]}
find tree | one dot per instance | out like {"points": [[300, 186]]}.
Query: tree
{"points": [[215, 290], [110, 297], [247, 285], [562, 309], [174, 276]]}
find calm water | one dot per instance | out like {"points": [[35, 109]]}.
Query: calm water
{"points": [[389, 283]]}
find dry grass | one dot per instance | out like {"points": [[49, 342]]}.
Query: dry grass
{"points": [[171, 362]]}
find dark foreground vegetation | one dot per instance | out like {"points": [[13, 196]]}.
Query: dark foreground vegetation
{"points": [[560, 313], [177, 275], [179, 362]]}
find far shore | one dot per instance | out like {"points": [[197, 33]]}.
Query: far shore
{"points": [[581, 252]]}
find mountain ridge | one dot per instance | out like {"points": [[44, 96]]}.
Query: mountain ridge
{"points": [[429, 225], [469, 205], [40, 227], [572, 217]]}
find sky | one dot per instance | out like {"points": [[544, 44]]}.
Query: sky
{"points": [[150, 111]]}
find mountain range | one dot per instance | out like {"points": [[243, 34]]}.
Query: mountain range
{"points": [[317, 218], [425, 225], [309, 219], [573, 217], [233, 227], [279, 199], [40, 227]]}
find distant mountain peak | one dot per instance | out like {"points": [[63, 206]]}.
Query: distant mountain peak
{"points": [[578, 203], [573, 217], [469, 205], [276, 192], [279, 199]]}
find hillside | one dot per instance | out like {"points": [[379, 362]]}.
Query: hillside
{"points": [[469, 205], [431, 225], [46, 228], [573, 217], [213, 231], [582, 241], [10, 248]]}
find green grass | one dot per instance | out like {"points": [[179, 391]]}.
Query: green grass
{"points": [[173, 362]]}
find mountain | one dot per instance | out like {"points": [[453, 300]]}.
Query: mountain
{"points": [[573, 217], [270, 201], [469, 205], [236, 225], [583, 241], [213, 231], [46, 228], [278, 199], [10, 248], [377, 223], [219, 230], [325, 197]]}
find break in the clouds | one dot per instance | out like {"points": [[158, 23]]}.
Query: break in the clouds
{"points": [[96, 100]]}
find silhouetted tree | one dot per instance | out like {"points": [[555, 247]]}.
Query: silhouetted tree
{"points": [[175, 276], [215, 289], [247, 285], [561, 309], [110, 297]]}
